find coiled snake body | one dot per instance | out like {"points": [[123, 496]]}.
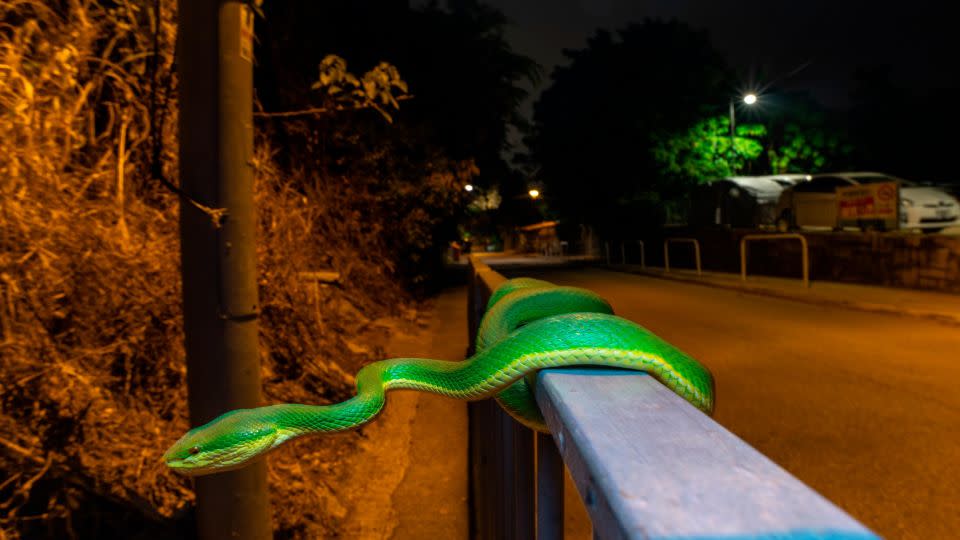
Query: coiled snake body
{"points": [[529, 325]]}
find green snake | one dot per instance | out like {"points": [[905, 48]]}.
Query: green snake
{"points": [[529, 325]]}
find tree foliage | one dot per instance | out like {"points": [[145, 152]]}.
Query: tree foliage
{"points": [[706, 151], [467, 83], [807, 149], [375, 89], [596, 125]]}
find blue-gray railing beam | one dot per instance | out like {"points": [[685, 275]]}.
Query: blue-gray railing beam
{"points": [[649, 465]]}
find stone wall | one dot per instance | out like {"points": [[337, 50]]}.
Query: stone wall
{"points": [[892, 259]]}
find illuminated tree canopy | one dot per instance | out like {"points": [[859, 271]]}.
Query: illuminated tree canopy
{"points": [[706, 151]]}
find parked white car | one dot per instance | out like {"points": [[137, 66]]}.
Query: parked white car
{"points": [[814, 203]]}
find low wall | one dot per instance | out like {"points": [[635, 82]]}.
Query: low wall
{"points": [[892, 259]]}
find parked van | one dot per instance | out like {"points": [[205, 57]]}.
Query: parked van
{"points": [[815, 204], [738, 201]]}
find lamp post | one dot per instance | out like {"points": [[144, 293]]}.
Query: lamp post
{"points": [[748, 99]]}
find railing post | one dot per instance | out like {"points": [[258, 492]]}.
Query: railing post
{"points": [[696, 252], [643, 255], [805, 260], [502, 493], [549, 489], [743, 259], [524, 505], [606, 249]]}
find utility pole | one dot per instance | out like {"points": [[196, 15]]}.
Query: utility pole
{"points": [[220, 302]]}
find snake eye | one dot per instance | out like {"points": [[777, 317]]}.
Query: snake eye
{"points": [[194, 450]]}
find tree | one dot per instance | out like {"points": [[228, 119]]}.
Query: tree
{"points": [[406, 177], [466, 82], [802, 136], [706, 152], [807, 149], [595, 126]]}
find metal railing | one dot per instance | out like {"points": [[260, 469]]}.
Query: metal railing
{"points": [[805, 252], [623, 254], [645, 463], [666, 252]]}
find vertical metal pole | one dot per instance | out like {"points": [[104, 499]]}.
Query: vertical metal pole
{"points": [[549, 489], [733, 125], [696, 252], [666, 255], [219, 259], [805, 250], [643, 255], [606, 249], [623, 253]]}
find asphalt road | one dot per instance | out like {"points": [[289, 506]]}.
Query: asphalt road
{"points": [[862, 407]]}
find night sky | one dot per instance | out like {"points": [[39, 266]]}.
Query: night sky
{"points": [[764, 40]]}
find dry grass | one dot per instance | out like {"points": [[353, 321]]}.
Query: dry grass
{"points": [[91, 358]]}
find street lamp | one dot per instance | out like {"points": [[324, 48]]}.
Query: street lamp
{"points": [[534, 193], [748, 99], [468, 187]]}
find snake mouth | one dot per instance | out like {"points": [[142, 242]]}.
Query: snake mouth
{"points": [[180, 465], [186, 468]]}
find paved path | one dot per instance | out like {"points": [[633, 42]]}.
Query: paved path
{"points": [[432, 499], [861, 406], [412, 461]]}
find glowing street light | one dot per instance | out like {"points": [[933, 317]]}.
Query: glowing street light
{"points": [[750, 99], [534, 193], [468, 187]]}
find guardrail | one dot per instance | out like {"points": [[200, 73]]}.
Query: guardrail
{"points": [[646, 464], [805, 252], [666, 252]]}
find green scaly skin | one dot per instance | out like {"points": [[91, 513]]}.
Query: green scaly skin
{"points": [[530, 325]]}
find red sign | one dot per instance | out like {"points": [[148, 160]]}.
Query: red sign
{"points": [[868, 201]]}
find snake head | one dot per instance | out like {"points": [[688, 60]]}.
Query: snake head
{"points": [[228, 442]]}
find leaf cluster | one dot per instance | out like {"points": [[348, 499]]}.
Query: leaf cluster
{"points": [[375, 89]]}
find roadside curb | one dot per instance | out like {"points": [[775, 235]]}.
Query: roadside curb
{"points": [[887, 309]]}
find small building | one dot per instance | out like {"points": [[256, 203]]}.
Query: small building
{"points": [[538, 238]]}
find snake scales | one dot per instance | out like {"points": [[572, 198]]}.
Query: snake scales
{"points": [[529, 325]]}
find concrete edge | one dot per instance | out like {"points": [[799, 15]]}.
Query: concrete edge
{"points": [[886, 309]]}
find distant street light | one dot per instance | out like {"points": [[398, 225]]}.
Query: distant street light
{"points": [[750, 99], [534, 193], [468, 187]]}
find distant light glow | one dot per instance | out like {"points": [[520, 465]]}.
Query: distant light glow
{"points": [[808, 177], [750, 99], [534, 193], [468, 187]]}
